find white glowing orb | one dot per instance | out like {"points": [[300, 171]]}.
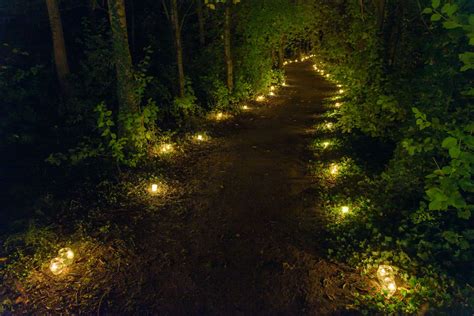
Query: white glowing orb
{"points": [[329, 125], [271, 93], [166, 148], [57, 266], [154, 188], [337, 105], [391, 287], [272, 88], [199, 137], [67, 255], [326, 144], [334, 169], [245, 107], [345, 209], [384, 271], [341, 91], [260, 98]]}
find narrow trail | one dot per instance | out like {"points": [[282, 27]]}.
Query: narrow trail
{"points": [[252, 234]]}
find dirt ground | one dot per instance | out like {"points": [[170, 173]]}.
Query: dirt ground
{"points": [[253, 234], [244, 235]]}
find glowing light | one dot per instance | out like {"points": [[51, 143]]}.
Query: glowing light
{"points": [[386, 276], [325, 144], [272, 88], [333, 169], [328, 75], [271, 93], [384, 271], [285, 63], [67, 255], [57, 266], [329, 125], [166, 148], [391, 286], [341, 91], [337, 105], [345, 209], [245, 107], [339, 85], [283, 83], [260, 98], [199, 137]]}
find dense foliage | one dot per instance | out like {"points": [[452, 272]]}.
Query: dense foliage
{"points": [[407, 72]]}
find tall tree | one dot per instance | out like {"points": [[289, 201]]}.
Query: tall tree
{"points": [[178, 45], [227, 47], [173, 16], [200, 16], [123, 60], [59, 47]]}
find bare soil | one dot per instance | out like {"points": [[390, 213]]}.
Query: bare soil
{"points": [[253, 242]]}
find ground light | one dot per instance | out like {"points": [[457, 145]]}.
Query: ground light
{"points": [[345, 209], [260, 98], [325, 144], [341, 91], [329, 125], [166, 148], [271, 93], [65, 258], [272, 88], [57, 266], [337, 105], [67, 255], [333, 169], [156, 188], [200, 137], [386, 277], [245, 107]]}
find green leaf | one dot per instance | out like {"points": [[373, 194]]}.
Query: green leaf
{"points": [[436, 17], [449, 142], [451, 25], [427, 11], [454, 152], [435, 3]]}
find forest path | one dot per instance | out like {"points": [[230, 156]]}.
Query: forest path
{"points": [[250, 242]]}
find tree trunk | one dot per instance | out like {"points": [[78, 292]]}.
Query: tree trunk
{"points": [[380, 8], [59, 47], [281, 54], [123, 60], [178, 46], [200, 15], [227, 49]]}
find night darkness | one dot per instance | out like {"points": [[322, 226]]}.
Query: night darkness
{"points": [[224, 157]]}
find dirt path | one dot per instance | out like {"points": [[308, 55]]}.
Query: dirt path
{"points": [[251, 230]]}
